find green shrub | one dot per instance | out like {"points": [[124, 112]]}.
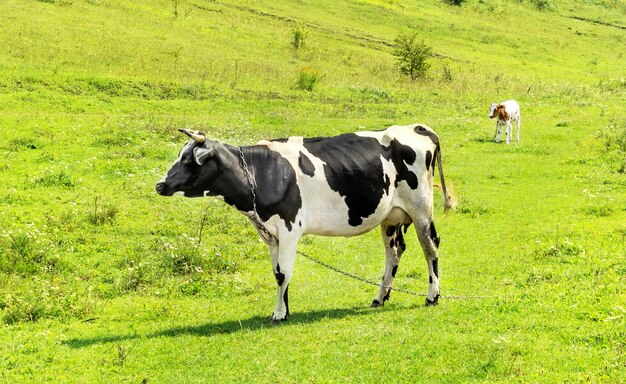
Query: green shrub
{"points": [[307, 79], [543, 5], [300, 34], [412, 56]]}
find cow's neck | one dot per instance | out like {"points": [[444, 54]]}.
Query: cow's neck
{"points": [[232, 184]]}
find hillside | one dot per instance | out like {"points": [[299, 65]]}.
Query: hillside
{"points": [[102, 280]]}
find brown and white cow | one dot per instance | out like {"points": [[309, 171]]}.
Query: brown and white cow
{"points": [[335, 186], [505, 113]]}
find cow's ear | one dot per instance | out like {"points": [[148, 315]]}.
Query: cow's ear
{"points": [[201, 154]]}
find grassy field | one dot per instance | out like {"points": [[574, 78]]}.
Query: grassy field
{"points": [[101, 280]]}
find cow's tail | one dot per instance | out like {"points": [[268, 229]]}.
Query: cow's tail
{"points": [[449, 197]]}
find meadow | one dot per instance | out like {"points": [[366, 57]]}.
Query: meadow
{"points": [[102, 280]]}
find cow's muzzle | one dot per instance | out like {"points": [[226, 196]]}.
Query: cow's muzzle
{"points": [[163, 190]]}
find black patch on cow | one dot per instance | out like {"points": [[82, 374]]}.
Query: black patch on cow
{"points": [[394, 271], [392, 243], [281, 140], [390, 230], [436, 267], [401, 155], [433, 234], [406, 227], [400, 240], [429, 159], [354, 169], [286, 299], [306, 166], [430, 279], [277, 192], [376, 304], [428, 133], [280, 277], [387, 296]]}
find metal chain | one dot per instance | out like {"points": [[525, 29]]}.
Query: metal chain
{"points": [[254, 217], [250, 179], [364, 280]]}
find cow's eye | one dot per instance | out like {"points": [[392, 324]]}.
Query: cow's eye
{"points": [[187, 161]]}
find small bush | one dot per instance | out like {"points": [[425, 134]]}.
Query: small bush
{"points": [[543, 5], [412, 56], [455, 2], [308, 79], [300, 35]]}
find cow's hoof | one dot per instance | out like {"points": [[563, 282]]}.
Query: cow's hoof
{"points": [[279, 321], [376, 304], [433, 302]]}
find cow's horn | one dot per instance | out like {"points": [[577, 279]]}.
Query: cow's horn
{"points": [[197, 136]]}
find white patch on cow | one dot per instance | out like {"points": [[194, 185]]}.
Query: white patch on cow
{"points": [[296, 140]]}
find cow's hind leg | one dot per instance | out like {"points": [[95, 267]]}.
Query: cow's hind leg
{"points": [[429, 240], [394, 247], [509, 131]]}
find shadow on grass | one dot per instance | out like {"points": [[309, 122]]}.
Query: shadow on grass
{"points": [[484, 140], [252, 324]]}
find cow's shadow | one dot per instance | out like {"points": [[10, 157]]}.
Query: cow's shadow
{"points": [[255, 323]]}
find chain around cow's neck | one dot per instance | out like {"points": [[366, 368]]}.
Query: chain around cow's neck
{"points": [[254, 216]]}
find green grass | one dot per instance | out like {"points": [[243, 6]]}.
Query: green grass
{"points": [[101, 280]]}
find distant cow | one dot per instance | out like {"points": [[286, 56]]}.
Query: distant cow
{"points": [[506, 112], [336, 186]]}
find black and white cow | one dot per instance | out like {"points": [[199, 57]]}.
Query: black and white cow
{"points": [[335, 186]]}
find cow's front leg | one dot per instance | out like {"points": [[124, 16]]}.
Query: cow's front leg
{"points": [[394, 247], [496, 136], [283, 254]]}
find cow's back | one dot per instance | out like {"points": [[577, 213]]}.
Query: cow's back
{"points": [[349, 181]]}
